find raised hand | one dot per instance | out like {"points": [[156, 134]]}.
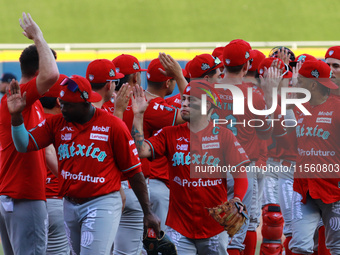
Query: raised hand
{"points": [[31, 29], [139, 103], [122, 99], [15, 101], [284, 55], [295, 73], [271, 79], [171, 66]]}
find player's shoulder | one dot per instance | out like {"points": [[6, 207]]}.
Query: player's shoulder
{"points": [[159, 105], [107, 117]]}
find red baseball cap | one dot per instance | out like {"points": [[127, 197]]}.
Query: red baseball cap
{"points": [[54, 91], [199, 87], [187, 69], [267, 62], [318, 70], [154, 74], [127, 64], [202, 64], [102, 71], [218, 51], [305, 57], [77, 89], [257, 56], [236, 53], [333, 52]]}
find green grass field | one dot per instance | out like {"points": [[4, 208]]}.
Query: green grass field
{"points": [[85, 21]]}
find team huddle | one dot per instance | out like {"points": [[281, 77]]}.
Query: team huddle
{"points": [[95, 164]]}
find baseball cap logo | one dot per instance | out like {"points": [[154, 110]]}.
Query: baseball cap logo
{"points": [[91, 77], [148, 75], [315, 73], [84, 95], [117, 69], [188, 89], [247, 55], [135, 66], [227, 61], [112, 73], [331, 52], [205, 66], [302, 58]]}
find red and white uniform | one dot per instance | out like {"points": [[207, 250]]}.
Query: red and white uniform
{"points": [[175, 101], [127, 115], [159, 114], [52, 186], [22, 175], [189, 197], [91, 156], [318, 145], [245, 134]]}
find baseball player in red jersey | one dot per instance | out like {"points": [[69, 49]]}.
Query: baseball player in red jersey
{"points": [[23, 214], [332, 58], [256, 56], [57, 242], [187, 147], [158, 115], [207, 67], [94, 148], [236, 58], [316, 180], [175, 100], [131, 222]]}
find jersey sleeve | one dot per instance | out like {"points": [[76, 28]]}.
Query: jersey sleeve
{"points": [[41, 136], [235, 155], [31, 90], [124, 150], [159, 114], [157, 144]]}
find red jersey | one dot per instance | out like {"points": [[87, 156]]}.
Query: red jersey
{"points": [[91, 156], [189, 197], [318, 142], [22, 175], [279, 136], [175, 101], [52, 186], [158, 115], [245, 134], [128, 116]]}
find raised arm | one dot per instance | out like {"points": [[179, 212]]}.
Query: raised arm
{"points": [[139, 105], [16, 104], [48, 70], [173, 69]]}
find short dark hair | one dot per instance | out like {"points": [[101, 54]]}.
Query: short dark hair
{"points": [[210, 73], [123, 80], [97, 86], [48, 102], [234, 69], [29, 60], [156, 85]]}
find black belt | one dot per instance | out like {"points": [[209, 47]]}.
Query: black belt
{"points": [[79, 201]]}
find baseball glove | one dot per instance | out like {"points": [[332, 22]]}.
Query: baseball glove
{"points": [[163, 245], [228, 216]]}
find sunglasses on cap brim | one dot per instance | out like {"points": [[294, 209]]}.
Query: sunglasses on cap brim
{"points": [[73, 87]]}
